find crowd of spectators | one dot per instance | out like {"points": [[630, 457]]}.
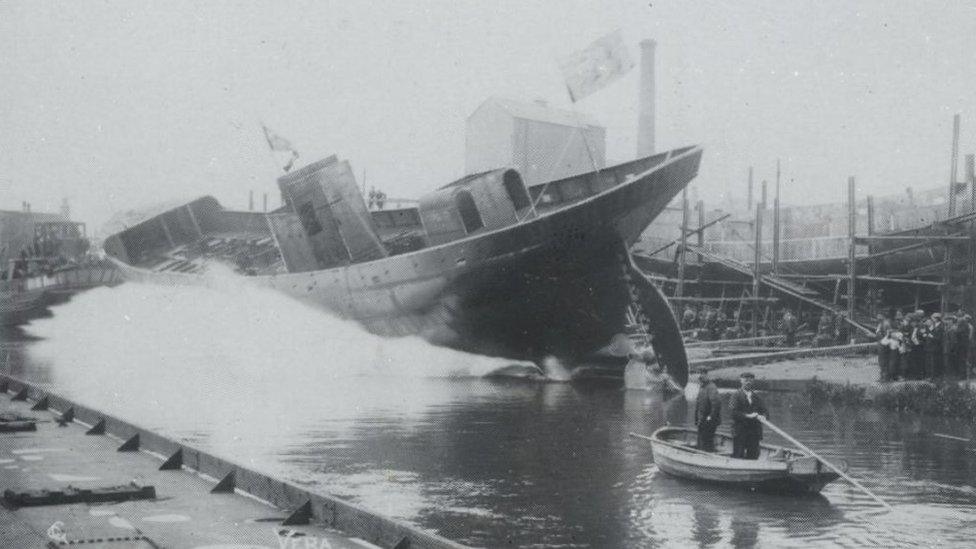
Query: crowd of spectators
{"points": [[933, 347]]}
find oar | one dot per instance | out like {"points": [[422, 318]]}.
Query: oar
{"points": [[829, 465], [952, 437], [645, 437]]}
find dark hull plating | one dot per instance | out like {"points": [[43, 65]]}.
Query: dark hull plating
{"points": [[558, 284]]}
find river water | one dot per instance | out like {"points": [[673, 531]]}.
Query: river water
{"points": [[417, 433]]}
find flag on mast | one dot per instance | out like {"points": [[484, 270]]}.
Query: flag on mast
{"points": [[279, 144], [595, 66]]}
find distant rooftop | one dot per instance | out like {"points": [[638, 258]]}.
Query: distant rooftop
{"points": [[542, 112], [38, 216]]}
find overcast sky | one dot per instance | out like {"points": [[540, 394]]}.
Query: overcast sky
{"points": [[116, 104]]}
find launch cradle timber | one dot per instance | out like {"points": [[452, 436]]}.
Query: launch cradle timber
{"points": [[483, 264]]}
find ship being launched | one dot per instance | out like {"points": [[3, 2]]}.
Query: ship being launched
{"points": [[484, 264]]}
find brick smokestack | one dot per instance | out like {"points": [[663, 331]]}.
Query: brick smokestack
{"points": [[645, 122]]}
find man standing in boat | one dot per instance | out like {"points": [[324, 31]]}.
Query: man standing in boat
{"points": [[747, 430], [708, 411]]}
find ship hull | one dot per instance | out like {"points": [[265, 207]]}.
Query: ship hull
{"points": [[556, 285]]}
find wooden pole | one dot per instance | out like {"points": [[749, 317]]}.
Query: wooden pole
{"points": [[951, 437], [667, 280], [829, 465], [852, 249], [954, 166], [776, 222], [693, 299], [872, 264], [933, 239], [701, 243], [755, 267], [899, 280], [701, 223], [764, 186], [944, 302], [740, 320], [696, 231], [250, 201], [946, 278], [971, 178], [679, 291]]}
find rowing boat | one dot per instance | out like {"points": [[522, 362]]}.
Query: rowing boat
{"points": [[778, 469]]}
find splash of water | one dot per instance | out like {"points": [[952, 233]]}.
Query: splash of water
{"points": [[635, 375], [243, 370], [238, 329], [554, 370]]}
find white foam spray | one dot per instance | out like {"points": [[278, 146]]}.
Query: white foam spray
{"points": [[636, 376], [554, 370], [254, 331], [239, 363]]}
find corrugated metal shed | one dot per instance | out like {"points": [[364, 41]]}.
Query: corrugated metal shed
{"points": [[541, 142]]}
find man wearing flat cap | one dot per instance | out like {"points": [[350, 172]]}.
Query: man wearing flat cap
{"points": [[747, 408], [708, 411]]}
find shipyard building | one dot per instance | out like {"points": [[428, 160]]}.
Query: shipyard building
{"points": [[21, 231], [541, 142]]}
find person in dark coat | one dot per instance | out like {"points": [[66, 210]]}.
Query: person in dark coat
{"points": [[841, 333], [883, 334], [916, 352], [789, 326], [708, 412], [933, 348], [913, 332], [711, 325], [951, 346], [960, 346], [723, 323], [825, 331], [747, 408]]}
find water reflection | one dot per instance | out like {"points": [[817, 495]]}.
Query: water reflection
{"points": [[507, 462], [513, 462], [648, 410], [702, 514]]}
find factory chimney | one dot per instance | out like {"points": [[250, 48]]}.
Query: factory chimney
{"points": [[645, 122], [749, 195]]}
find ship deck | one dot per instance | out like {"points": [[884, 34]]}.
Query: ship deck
{"points": [[247, 252]]}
